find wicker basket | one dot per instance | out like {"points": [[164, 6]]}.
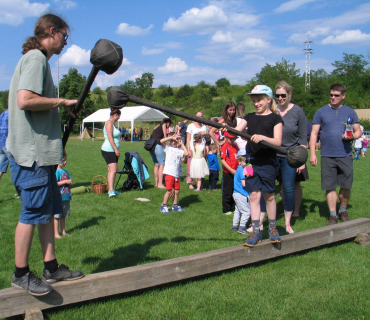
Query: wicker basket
{"points": [[99, 187]]}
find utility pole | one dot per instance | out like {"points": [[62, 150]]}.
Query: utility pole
{"points": [[308, 51]]}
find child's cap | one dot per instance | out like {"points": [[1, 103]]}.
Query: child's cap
{"points": [[261, 89], [241, 152], [229, 135]]}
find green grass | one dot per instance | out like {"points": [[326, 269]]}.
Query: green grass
{"points": [[331, 282]]}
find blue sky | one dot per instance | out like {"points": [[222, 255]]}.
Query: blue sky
{"points": [[188, 41]]}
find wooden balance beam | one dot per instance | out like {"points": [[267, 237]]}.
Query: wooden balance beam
{"points": [[93, 286]]}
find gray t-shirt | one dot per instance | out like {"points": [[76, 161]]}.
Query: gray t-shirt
{"points": [[294, 129], [34, 135]]}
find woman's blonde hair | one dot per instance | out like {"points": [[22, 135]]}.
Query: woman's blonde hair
{"points": [[284, 85]]}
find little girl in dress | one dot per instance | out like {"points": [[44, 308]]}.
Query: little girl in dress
{"points": [[198, 167]]}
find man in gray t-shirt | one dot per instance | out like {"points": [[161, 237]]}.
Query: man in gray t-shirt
{"points": [[34, 147], [336, 151]]}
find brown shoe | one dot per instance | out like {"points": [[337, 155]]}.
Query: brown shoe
{"points": [[343, 216], [332, 220]]}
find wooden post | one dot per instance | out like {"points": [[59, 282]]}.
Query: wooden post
{"points": [[33, 314], [93, 286]]}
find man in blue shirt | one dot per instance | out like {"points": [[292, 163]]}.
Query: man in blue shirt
{"points": [[4, 161], [336, 150]]}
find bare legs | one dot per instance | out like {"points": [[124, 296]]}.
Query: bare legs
{"points": [[112, 170], [62, 222], [158, 175], [23, 242]]}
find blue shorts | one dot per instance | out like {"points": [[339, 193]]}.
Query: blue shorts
{"points": [[38, 190], [264, 175], [158, 154], [4, 161]]}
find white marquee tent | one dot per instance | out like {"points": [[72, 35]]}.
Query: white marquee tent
{"points": [[128, 114]]}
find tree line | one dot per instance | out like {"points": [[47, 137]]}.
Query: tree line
{"points": [[352, 71]]}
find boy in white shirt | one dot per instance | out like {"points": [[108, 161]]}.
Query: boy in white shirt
{"points": [[175, 153]]}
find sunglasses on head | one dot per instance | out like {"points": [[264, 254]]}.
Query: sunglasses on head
{"points": [[334, 95], [283, 95]]}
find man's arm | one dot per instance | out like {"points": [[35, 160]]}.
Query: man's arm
{"points": [[313, 139], [28, 100]]}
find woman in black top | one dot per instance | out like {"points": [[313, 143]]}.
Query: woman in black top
{"points": [[159, 132]]}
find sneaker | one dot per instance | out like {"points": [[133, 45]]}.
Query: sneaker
{"points": [[32, 284], [111, 194], [177, 208], [228, 213], [234, 228], [289, 229], [253, 239], [243, 230], [343, 216], [116, 192], [332, 220], [62, 274], [274, 236], [164, 209]]}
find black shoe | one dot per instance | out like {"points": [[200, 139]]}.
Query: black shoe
{"points": [[62, 274], [32, 284]]}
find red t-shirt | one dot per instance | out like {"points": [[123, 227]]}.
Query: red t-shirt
{"points": [[228, 153]]}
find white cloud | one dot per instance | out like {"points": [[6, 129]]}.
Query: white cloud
{"points": [[197, 20], [243, 20], [75, 56], [145, 51], [104, 80], [136, 75], [125, 62], [126, 30], [348, 36], [173, 65], [219, 36], [292, 5], [13, 12], [252, 57], [249, 44], [301, 37], [66, 4]]}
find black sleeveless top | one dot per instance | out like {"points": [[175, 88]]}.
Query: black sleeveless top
{"points": [[158, 133]]}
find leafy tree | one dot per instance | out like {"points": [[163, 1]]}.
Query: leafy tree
{"points": [[203, 84], [141, 86], [165, 91], [351, 69], [201, 98], [222, 82], [184, 91], [70, 87], [213, 91], [97, 90], [4, 100]]}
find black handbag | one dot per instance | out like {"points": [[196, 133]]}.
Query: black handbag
{"points": [[150, 144]]}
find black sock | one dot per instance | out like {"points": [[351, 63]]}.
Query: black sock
{"points": [[52, 265], [20, 272]]}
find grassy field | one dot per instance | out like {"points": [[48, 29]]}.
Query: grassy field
{"points": [[331, 282]]}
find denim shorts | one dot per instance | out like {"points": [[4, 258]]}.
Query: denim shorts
{"points": [[38, 190], [158, 154], [4, 161], [264, 175]]}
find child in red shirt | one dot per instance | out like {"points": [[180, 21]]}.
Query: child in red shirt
{"points": [[230, 164]]}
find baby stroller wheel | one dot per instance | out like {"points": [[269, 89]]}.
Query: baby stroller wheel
{"points": [[135, 185]]}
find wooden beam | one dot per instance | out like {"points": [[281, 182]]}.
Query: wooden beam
{"points": [[93, 286]]}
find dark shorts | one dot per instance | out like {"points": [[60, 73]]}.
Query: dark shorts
{"points": [[38, 190], [172, 183], [109, 157], [264, 175], [336, 172]]}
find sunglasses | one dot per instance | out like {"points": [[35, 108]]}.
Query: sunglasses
{"points": [[334, 95], [277, 96], [64, 34]]}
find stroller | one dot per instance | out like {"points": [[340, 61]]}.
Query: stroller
{"points": [[136, 171]]}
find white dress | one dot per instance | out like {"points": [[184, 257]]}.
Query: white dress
{"points": [[198, 165]]}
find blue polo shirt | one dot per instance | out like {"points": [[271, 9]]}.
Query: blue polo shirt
{"points": [[332, 126]]}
